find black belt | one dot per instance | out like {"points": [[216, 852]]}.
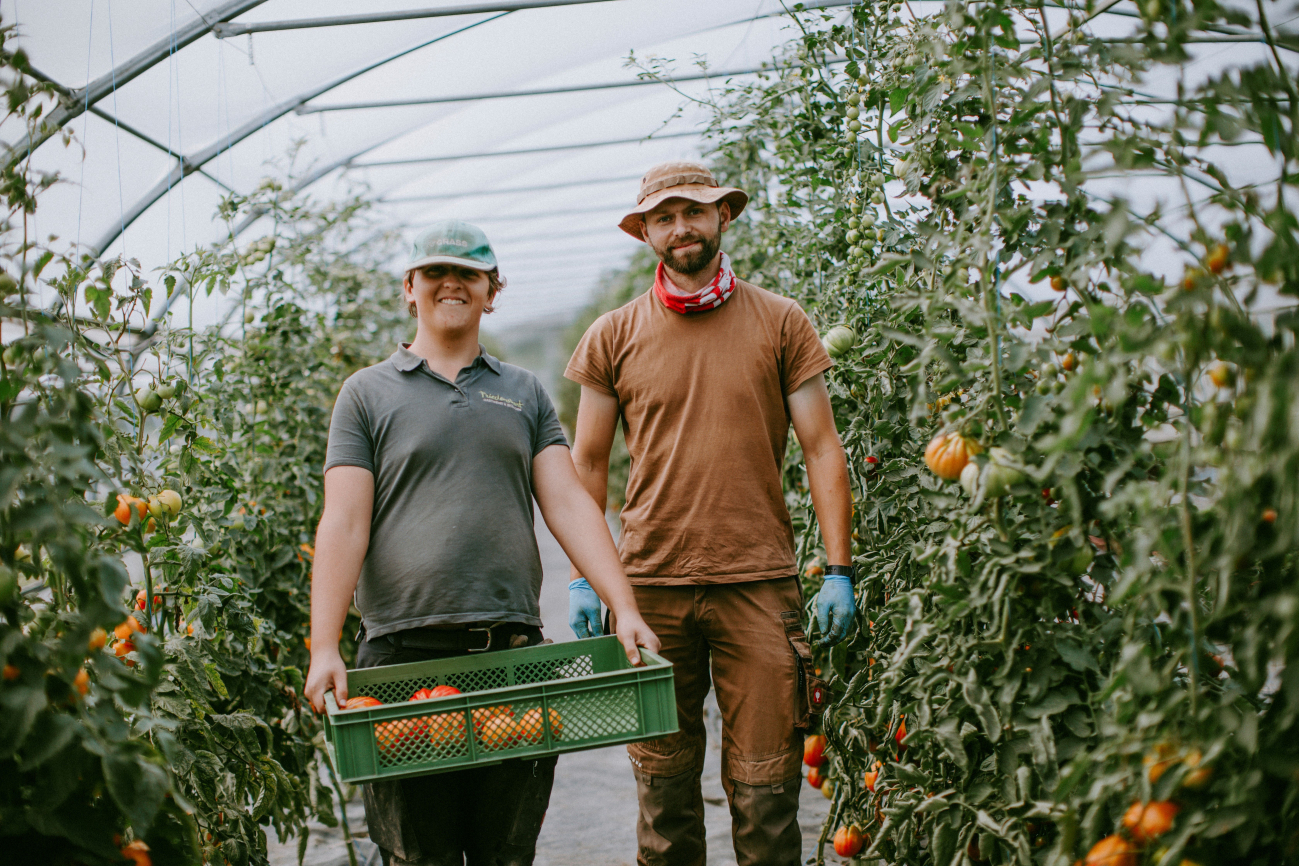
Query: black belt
{"points": [[472, 638]]}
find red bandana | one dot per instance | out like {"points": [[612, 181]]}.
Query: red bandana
{"points": [[710, 297]]}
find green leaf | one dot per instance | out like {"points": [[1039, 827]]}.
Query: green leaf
{"points": [[137, 786], [214, 677]]}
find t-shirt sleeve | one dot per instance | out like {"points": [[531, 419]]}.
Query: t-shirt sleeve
{"points": [[548, 429], [802, 354], [350, 443], [592, 361]]}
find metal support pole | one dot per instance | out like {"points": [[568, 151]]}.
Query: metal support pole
{"points": [[225, 30]]}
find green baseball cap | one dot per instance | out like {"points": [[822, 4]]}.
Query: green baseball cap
{"points": [[452, 242]]}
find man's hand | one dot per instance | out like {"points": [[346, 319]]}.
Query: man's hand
{"points": [[327, 672], [584, 609], [635, 632], [835, 609]]}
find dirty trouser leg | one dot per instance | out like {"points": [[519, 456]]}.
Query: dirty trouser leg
{"points": [[755, 673], [670, 828]]}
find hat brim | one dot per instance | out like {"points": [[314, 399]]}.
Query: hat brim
{"points": [[448, 260], [634, 220]]}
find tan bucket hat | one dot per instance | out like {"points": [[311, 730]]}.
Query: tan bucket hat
{"points": [[690, 180]]}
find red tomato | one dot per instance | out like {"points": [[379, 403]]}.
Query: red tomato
{"points": [[362, 701], [814, 750], [444, 691], [848, 841], [901, 734], [814, 778]]}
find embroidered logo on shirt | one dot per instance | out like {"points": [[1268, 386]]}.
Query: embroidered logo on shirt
{"points": [[516, 405]]}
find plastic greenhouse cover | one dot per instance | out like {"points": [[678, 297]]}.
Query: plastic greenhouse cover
{"points": [[236, 106]]}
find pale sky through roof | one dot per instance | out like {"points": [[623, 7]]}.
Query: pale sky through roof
{"points": [[553, 243]]}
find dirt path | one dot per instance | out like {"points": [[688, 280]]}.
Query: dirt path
{"points": [[592, 817]]}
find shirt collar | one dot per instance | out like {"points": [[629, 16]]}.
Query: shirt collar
{"points": [[405, 360]]}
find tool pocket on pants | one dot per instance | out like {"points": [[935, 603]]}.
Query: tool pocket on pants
{"points": [[813, 695]]}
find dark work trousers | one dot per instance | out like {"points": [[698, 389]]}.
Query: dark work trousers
{"points": [[488, 816], [745, 640]]}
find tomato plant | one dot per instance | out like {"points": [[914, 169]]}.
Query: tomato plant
{"points": [[1112, 586], [145, 460]]}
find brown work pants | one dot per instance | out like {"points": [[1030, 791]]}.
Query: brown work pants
{"points": [[741, 638]]}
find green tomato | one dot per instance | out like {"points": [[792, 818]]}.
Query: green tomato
{"points": [[970, 479], [854, 126], [148, 399], [877, 197], [854, 99], [167, 391], [867, 220], [853, 237], [1000, 475], [852, 113], [853, 223], [839, 340], [1080, 561], [14, 354]]}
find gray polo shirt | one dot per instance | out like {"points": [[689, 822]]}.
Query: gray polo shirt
{"points": [[451, 539]]}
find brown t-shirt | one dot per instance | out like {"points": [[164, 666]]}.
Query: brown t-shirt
{"points": [[702, 398]]}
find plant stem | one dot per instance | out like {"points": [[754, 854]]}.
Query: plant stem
{"points": [[342, 814], [1188, 544]]}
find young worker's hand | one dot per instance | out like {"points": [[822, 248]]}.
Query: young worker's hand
{"points": [[327, 671], [583, 609], [634, 632], [835, 609]]}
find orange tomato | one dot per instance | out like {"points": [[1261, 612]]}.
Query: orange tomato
{"points": [[499, 732], [532, 727], [1269, 515], [948, 453], [814, 570], [137, 852], [1221, 375], [446, 729], [98, 638], [1146, 822], [362, 701], [12, 672], [848, 841], [124, 504], [814, 750], [872, 776], [1058, 283], [122, 647], [1158, 761], [128, 627], [1217, 260], [1196, 777], [483, 715], [81, 682], [1111, 851], [397, 736], [901, 734]]}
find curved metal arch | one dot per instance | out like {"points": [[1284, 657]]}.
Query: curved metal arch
{"points": [[187, 165], [75, 102]]}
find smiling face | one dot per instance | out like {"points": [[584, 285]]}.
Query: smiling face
{"points": [[687, 234], [448, 298]]}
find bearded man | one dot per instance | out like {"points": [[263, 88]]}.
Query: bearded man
{"points": [[707, 372]]}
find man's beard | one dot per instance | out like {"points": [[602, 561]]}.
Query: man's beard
{"points": [[691, 263]]}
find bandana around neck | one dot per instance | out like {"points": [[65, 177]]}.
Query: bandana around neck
{"points": [[710, 297]]}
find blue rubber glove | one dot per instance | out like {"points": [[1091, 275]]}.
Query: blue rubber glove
{"points": [[835, 609], [583, 609]]}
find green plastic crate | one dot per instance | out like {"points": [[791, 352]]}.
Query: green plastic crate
{"points": [[561, 697]]}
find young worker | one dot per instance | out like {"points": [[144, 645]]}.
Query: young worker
{"points": [[434, 458], [706, 372]]}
